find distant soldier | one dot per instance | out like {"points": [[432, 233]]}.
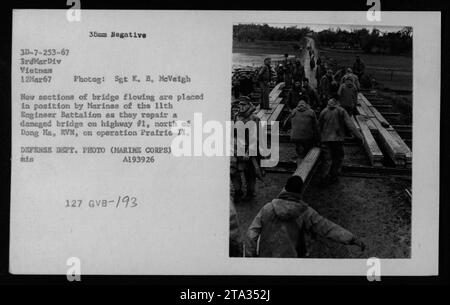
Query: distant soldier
{"points": [[348, 96], [312, 62], [311, 93], [326, 87], [320, 70], [299, 71], [287, 71], [349, 75], [280, 72], [359, 67], [281, 226], [246, 164], [333, 121], [339, 74], [295, 94], [265, 77]]}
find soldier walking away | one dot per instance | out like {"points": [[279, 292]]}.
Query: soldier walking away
{"points": [[339, 74], [326, 87], [295, 94], [281, 226], [246, 164], [304, 128], [333, 121], [287, 72], [348, 96], [299, 71], [353, 77], [311, 93], [359, 67], [264, 78], [320, 70]]}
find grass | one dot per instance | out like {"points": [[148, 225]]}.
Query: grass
{"points": [[392, 71], [263, 46]]}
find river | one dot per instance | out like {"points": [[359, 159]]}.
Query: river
{"points": [[253, 60]]}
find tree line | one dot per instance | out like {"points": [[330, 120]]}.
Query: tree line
{"points": [[374, 41], [252, 32]]}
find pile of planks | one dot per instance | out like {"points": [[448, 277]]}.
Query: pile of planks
{"points": [[242, 72], [272, 114], [371, 123], [370, 145]]}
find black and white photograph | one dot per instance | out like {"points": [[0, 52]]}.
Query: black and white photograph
{"points": [[343, 98], [250, 147]]}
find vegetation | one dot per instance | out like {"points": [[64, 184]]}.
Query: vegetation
{"points": [[374, 42], [252, 32]]}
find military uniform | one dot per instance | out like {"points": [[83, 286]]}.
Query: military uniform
{"points": [[245, 164]]}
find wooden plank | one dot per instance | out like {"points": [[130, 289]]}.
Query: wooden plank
{"points": [[364, 100], [355, 124], [383, 107], [380, 118], [405, 148], [275, 114], [361, 111], [276, 91], [365, 105], [272, 104], [278, 100], [274, 95], [373, 151], [391, 146], [265, 114], [306, 166], [260, 113], [371, 125]]}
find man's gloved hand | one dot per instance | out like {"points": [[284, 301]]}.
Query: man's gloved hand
{"points": [[358, 242]]}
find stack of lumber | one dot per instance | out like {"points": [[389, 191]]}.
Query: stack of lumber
{"points": [[403, 146], [393, 144], [364, 110], [370, 145], [239, 73]]}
